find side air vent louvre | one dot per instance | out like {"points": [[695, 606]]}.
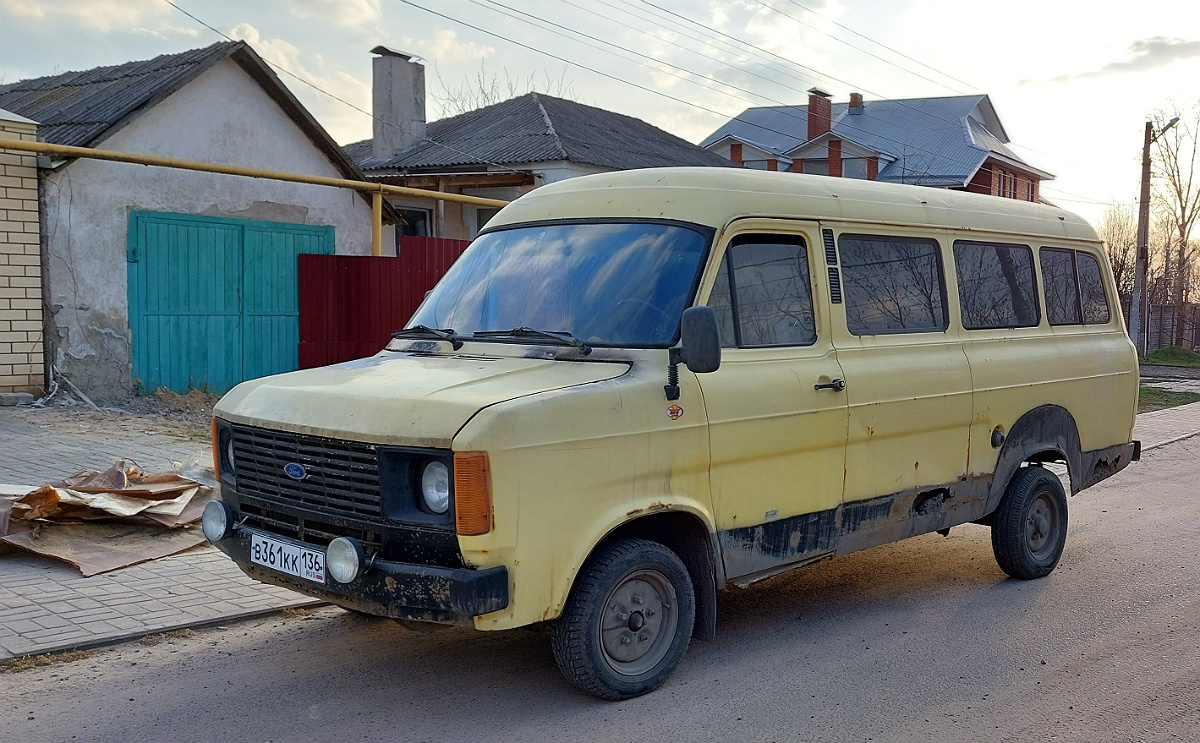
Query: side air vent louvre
{"points": [[835, 286], [830, 253]]}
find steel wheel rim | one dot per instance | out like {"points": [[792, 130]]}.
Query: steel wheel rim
{"points": [[638, 622], [1041, 526]]}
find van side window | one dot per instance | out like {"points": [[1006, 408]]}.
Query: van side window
{"points": [[768, 302], [1061, 287], [892, 284], [1091, 289], [721, 300], [995, 285]]}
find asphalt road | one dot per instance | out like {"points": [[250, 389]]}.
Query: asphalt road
{"points": [[923, 640]]}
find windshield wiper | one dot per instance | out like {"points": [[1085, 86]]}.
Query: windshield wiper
{"points": [[422, 331], [562, 336]]}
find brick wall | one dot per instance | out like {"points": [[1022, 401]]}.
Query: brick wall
{"points": [[21, 358]]}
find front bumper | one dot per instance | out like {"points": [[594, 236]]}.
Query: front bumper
{"points": [[390, 589]]}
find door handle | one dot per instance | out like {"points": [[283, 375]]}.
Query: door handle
{"points": [[837, 385]]}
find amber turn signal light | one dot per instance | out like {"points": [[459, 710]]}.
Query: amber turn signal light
{"points": [[216, 450], [472, 494]]}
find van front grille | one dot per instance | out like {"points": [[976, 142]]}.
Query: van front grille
{"points": [[336, 494]]}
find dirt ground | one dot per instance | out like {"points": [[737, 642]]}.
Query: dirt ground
{"points": [[161, 412]]}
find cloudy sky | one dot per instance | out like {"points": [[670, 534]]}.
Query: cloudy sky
{"points": [[1072, 80]]}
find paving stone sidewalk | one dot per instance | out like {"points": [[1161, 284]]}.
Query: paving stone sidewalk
{"points": [[46, 606]]}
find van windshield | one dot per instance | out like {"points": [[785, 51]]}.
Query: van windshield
{"points": [[606, 284]]}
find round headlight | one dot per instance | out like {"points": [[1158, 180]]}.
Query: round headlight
{"points": [[216, 520], [435, 487], [344, 559]]}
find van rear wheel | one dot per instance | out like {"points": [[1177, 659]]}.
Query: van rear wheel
{"points": [[1029, 529], [628, 621]]}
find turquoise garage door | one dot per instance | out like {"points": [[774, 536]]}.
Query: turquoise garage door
{"points": [[213, 302]]}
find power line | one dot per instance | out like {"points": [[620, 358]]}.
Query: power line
{"points": [[885, 46], [319, 89], [711, 30], [852, 46], [907, 145]]}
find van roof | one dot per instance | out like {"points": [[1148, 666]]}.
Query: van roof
{"points": [[714, 196]]}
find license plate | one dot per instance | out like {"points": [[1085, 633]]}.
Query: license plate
{"points": [[288, 558]]}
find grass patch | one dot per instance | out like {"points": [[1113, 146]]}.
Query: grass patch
{"points": [[29, 662], [1174, 356], [1154, 398]]}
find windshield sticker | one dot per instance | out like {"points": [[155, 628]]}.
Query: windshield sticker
{"points": [[674, 412]]}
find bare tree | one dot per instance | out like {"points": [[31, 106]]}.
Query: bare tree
{"points": [[485, 88], [1118, 230], [1177, 197]]}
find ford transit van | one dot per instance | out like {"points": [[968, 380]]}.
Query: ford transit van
{"points": [[635, 389]]}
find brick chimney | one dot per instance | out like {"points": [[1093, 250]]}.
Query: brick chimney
{"points": [[819, 112], [856, 103], [397, 101]]}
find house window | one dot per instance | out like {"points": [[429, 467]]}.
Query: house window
{"points": [[483, 215], [816, 167], [416, 222], [1029, 191], [892, 284], [855, 167], [774, 305], [1001, 188], [995, 285]]}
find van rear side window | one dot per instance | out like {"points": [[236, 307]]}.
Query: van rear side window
{"points": [[1061, 286], [1091, 289], [996, 288], [892, 284]]}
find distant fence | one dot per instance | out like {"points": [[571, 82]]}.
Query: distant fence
{"points": [[1166, 325], [1171, 326], [350, 304]]}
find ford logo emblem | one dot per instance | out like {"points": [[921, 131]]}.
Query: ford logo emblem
{"points": [[295, 470]]}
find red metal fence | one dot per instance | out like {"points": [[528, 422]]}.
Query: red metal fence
{"points": [[350, 304]]}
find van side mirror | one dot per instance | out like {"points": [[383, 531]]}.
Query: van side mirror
{"points": [[700, 348], [701, 340]]}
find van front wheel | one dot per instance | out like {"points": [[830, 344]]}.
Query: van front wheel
{"points": [[1029, 529], [628, 620]]}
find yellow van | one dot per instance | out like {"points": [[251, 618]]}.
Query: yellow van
{"points": [[635, 389]]}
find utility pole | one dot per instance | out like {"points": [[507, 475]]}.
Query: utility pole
{"points": [[1139, 310], [1137, 323]]}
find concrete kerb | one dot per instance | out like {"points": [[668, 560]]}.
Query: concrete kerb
{"points": [[117, 639]]}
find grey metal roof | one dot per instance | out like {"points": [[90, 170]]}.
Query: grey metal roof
{"points": [[935, 141], [83, 108], [77, 108], [539, 128]]}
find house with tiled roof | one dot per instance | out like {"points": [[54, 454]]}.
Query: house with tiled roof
{"points": [[955, 142], [157, 277], [499, 151]]}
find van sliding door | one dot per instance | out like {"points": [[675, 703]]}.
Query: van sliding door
{"points": [[908, 385]]}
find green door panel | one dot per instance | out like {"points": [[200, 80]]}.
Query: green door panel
{"points": [[213, 302]]}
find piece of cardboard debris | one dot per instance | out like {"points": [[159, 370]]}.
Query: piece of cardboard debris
{"points": [[101, 521]]}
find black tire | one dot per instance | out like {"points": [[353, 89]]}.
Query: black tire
{"points": [[1029, 529], [645, 592]]}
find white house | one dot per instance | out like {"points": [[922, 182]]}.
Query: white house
{"points": [[163, 277]]}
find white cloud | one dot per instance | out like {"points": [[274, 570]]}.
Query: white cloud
{"points": [[348, 13], [101, 15], [342, 121], [445, 45]]}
